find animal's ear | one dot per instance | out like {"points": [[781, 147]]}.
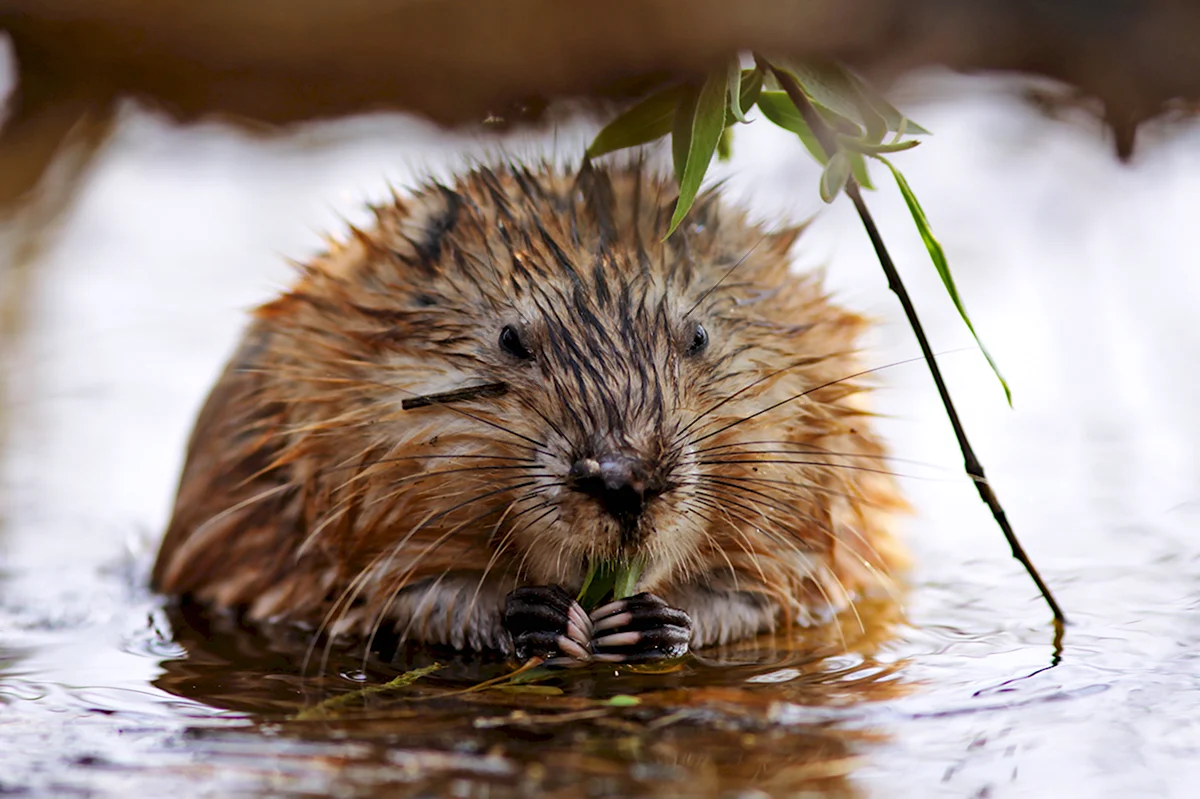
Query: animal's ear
{"points": [[431, 217]]}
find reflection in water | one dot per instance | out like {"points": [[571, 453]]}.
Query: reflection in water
{"points": [[711, 726]]}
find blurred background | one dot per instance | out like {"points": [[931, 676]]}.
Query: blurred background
{"points": [[125, 291]]}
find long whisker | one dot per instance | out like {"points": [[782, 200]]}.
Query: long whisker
{"points": [[823, 529], [504, 543], [808, 448], [403, 458], [729, 272], [726, 400], [351, 592], [711, 481], [804, 560], [415, 562], [804, 393], [822, 464], [397, 487]]}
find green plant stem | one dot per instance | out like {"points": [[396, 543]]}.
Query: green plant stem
{"points": [[971, 463]]}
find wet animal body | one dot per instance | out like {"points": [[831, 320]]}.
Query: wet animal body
{"points": [[453, 417]]}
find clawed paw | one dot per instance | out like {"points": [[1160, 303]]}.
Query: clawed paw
{"points": [[639, 628], [545, 621]]}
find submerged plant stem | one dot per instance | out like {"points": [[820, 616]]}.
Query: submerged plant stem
{"points": [[970, 461]]}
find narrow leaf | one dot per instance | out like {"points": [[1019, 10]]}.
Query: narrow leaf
{"points": [[830, 86], [751, 86], [896, 121], [707, 124], [628, 575], [858, 168], [943, 268], [725, 144], [646, 121], [841, 91], [623, 700], [778, 107], [681, 129], [608, 579], [735, 90], [859, 146], [834, 178]]}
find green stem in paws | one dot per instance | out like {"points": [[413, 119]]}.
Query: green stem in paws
{"points": [[609, 579]]}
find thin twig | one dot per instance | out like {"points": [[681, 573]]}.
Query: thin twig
{"points": [[973, 467]]}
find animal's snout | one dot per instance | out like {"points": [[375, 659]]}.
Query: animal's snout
{"points": [[621, 483]]}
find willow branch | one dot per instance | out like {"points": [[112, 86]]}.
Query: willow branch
{"points": [[970, 461]]}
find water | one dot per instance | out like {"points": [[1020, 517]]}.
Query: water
{"points": [[1081, 275]]}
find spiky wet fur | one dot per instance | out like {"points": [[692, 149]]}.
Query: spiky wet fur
{"points": [[310, 495]]}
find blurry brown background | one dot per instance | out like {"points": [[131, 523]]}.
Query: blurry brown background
{"points": [[457, 61]]}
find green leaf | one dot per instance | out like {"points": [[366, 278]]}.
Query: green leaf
{"points": [[839, 90], [725, 144], [627, 578], [623, 700], [896, 121], [859, 146], [751, 85], [943, 268], [830, 86], [539, 690], [858, 168], [607, 579], [681, 129], [778, 107], [735, 91], [707, 122], [646, 121], [834, 178]]}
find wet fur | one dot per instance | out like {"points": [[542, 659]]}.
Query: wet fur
{"points": [[309, 494]]}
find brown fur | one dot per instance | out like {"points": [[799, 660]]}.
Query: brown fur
{"points": [[309, 493]]}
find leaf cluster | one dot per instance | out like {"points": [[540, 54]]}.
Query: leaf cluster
{"points": [[838, 118]]}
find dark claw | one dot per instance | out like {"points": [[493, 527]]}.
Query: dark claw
{"points": [[639, 628], [545, 621]]}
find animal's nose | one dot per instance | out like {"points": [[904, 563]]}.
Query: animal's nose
{"points": [[622, 484]]}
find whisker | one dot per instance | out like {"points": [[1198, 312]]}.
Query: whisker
{"points": [[397, 487], [786, 508], [351, 592], [721, 403], [716, 285], [402, 458], [807, 448], [804, 393], [508, 537], [822, 464], [860, 557], [804, 560]]}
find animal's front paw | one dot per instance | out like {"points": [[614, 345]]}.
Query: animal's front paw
{"points": [[639, 628], [544, 621]]}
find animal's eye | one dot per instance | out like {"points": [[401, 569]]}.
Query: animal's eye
{"points": [[510, 342], [699, 340]]}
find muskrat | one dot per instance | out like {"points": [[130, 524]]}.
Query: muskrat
{"points": [[452, 417]]}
